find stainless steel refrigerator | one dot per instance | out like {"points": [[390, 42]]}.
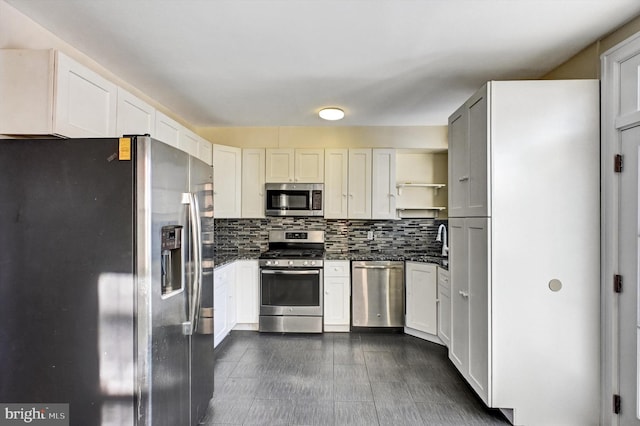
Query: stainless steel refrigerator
{"points": [[106, 279]]}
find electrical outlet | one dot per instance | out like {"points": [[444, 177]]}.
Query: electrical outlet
{"points": [[369, 235]]}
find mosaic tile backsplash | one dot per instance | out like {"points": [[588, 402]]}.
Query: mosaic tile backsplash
{"points": [[344, 238]]}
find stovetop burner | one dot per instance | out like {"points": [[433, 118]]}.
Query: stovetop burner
{"points": [[294, 249]]}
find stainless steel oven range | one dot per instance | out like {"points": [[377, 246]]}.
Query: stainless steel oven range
{"points": [[291, 282]]}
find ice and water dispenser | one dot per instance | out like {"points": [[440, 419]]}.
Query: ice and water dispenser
{"points": [[171, 259]]}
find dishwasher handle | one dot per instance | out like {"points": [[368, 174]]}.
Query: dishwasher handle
{"points": [[377, 267]]}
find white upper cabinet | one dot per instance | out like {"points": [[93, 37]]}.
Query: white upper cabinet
{"points": [[188, 142], [280, 165], [383, 196], [46, 92], [175, 134], [133, 115], [227, 181], [336, 179], [253, 179], [295, 165], [205, 151], [359, 184], [469, 146], [167, 130], [309, 166]]}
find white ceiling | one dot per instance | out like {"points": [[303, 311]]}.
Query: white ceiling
{"points": [[276, 62]]}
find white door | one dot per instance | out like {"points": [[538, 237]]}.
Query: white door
{"points": [[628, 318]]}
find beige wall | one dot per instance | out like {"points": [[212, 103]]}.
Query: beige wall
{"points": [[586, 64], [424, 137]]}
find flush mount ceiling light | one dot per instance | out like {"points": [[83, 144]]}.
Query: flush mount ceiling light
{"points": [[331, 114]]}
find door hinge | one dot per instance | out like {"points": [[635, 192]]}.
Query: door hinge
{"points": [[618, 163], [617, 283], [616, 404]]}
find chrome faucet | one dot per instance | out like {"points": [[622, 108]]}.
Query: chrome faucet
{"points": [[442, 237]]}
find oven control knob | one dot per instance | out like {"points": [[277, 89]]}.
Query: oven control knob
{"points": [[268, 262], [305, 263], [313, 262], [291, 263], [275, 262]]}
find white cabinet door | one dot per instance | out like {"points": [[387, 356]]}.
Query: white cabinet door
{"points": [[247, 294], [280, 165], [232, 309], [421, 294], [133, 115], [336, 179], [477, 240], [227, 178], [337, 293], [188, 142], [444, 306], [220, 299], [359, 184], [253, 180], [458, 162], [469, 194], [85, 102], [458, 267], [205, 151], [470, 323], [383, 197], [309, 165], [478, 183], [167, 130]]}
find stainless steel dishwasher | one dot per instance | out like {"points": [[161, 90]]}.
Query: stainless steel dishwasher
{"points": [[377, 294]]}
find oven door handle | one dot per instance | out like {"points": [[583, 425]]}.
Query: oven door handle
{"points": [[290, 272]]}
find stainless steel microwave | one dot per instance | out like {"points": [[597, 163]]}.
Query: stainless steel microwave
{"points": [[294, 199]]}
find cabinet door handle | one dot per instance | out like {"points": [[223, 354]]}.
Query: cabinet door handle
{"points": [[463, 178], [463, 293]]}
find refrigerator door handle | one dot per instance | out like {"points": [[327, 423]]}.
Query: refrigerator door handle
{"points": [[197, 296], [193, 297]]}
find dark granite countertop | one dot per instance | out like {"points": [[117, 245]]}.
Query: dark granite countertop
{"points": [[443, 262]]}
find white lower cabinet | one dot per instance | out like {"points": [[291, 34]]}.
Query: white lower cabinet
{"points": [[421, 297], [337, 294], [247, 294], [444, 306], [224, 309]]}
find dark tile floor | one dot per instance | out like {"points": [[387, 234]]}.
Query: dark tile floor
{"points": [[340, 379]]}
